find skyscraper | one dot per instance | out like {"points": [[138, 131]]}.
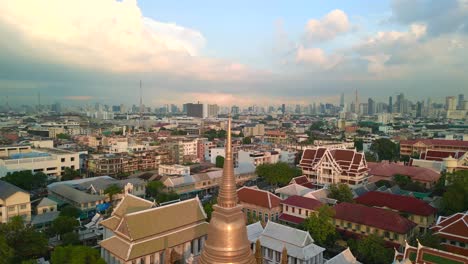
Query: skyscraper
{"points": [[342, 100], [461, 102], [227, 234], [194, 110], [370, 106], [390, 104], [450, 103], [400, 103], [283, 108], [356, 103]]}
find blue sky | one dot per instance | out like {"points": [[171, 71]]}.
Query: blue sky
{"points": [[231, 52]]}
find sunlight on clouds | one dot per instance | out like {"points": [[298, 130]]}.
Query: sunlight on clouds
{"points": [[327, 28]]}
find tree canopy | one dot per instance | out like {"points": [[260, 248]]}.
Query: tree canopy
{"points": [[76, 255], [277, 174], [112, 190], [341, 192], [64, 224], [455, 198], [71, 211], [320, 226], [25, 242], [26, 179], [385, 149], [6, 252], [70, 174], [371, 249], [219, 161], [167, 196], [359, 144], [154, 188]]}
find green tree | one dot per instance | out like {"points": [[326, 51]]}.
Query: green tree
{"points": [[112, 190], [70, 211], [26, 180], [76, 255], [370, 157], [26, 242], [427, 239], [385, 149], [219, 161], [247, 140], [154, 188], [70, 174], [341, 192], [277, 174], [359, 144], [401, 180], [63, 136], [320, 226], [70, 238], [6, 252], [64, 224], [208, 207], [371, 249], [167, 196], [455, 199]]}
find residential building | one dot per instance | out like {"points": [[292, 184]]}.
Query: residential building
{"points": [[212, 110], [356, 220], [46, 213], [386, 171], [13, 202], [275, 137], [275, 237], [453, 231], [194, 110], [138, 233], [252, 130], [412, 208], [328, 166], [50, 161], [418, 146], [423, 254], [173, 170], [295, 209], [259, 204]]}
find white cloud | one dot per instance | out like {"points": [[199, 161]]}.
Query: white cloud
{"points": [[327, 28], [108, 35]]}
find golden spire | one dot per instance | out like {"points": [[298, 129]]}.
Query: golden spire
{"points": [[227, 235]]}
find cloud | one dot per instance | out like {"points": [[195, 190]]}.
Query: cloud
{"points": [[327, 28], [441, 17], [317, 57], [79, 98], [108, 35]]}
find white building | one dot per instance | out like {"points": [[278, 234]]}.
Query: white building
{"points": [[246, 161], [175, 169], [299, 244], [50, 161], [189, 147]]}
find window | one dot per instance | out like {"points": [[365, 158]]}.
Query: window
{"points": [[307, 212], [72, 159], [11, 208], [395, 236], [293, 209], [387, 234], [277, 256], [349, 225], [368, 230], [266, 218], [270, 254], [287, 208], [23, 206], [300, 211], [44, 210], [62, 159]]}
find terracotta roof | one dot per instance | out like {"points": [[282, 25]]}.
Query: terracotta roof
{"points": [[291, 219], [131, 203], [348, 160], [436, 142], [454, 226], [300, 180], [258, 197], [386, 169], [400, 203], [374, 217], [302, 202], [439, 155]]}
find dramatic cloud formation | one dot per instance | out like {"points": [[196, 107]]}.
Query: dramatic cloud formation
{"points": [[327, 28]]}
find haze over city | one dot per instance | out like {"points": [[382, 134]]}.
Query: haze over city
{"points": [[243, 53]]}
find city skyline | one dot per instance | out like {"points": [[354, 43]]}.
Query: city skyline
{"points": [[293, 53]]}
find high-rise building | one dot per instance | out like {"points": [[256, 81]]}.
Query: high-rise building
{"points": [[450, 103], [212, 110], [461, 102], [298, 109], [370, 106], [356, 103], [283, 108], [390, 104], [419, 109], [235, 110], [194, 110], [227, 234], [342, 100], [400, 103]]}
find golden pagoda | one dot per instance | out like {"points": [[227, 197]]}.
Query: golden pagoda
{"points": [[227, 234]]}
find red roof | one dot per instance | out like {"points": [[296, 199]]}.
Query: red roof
{"points": [[386, 169], [258, 197], [302, 202], [454, 227], [300, 180], [436, 142], [439, 155], [348, 160], [400, 203], [291, 219], [375, 217]]}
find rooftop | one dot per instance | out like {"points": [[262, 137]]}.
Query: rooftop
{"points": [[302, 202], [253, 195]]}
